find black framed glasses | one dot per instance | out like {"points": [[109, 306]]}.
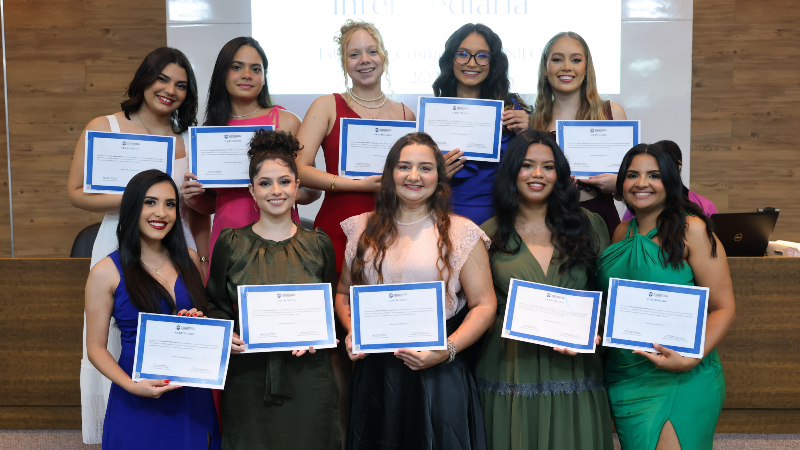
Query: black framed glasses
{"points": [[481, 58]]}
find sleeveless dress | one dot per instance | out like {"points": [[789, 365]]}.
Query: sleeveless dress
{"points": [[473, 185], [183, 418], [274, 401], [642, 397], [392, 406], [532, 396], [338, 206], [94, 386], [235, 207]]}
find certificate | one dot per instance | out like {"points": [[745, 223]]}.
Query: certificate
{"points": [[388, 317], [189, 351], [596, 146], [552, 316], [640, 314], [472, 125], [112, 159], [283, 317], [219, 154], [364, 144]]}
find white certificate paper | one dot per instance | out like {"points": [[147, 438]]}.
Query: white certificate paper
{"points": [[596, 146], [219, 154], [189, 351], [112, 159], [472, 125], [388, 317], [552, 316], [283, 317], [640, 314], [364, 144]]}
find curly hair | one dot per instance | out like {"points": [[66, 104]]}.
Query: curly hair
{"points": [[346, 33], [273, 145], [571, 232], [381, 230]]}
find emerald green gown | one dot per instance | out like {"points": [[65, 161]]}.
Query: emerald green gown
{"points": [[642, 397], [532, 396]]}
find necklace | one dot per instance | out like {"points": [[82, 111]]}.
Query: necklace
{"points": [[245, 115], [370, 107], [351, 94], [529, 228], [142, 122], [159, 267]]}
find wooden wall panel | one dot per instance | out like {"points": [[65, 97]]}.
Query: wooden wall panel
{"points": [[65, 67], [5, 209], [745, 92]]}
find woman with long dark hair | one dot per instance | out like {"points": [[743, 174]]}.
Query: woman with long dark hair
{"points": [[663, 399], [415, 399], [273, 400], [535, 397], [162, 100], [567, 90], [474, 65], [152, 272], [238, 95]]}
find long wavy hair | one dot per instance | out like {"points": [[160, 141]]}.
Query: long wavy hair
{"points": [[571, 232], [145, 292], [671, 222], [591, 104], [675, 151], [495, 86], [346, 32], [218, 111], [381, 230], [149, 71]]}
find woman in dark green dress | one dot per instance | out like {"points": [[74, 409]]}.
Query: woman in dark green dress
{"points": [[533, 396], [275, 400], [664, 399]]}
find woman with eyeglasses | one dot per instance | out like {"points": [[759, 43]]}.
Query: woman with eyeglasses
{"points": [[474, 65]]}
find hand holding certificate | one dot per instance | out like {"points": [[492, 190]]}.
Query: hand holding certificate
{"points": [[112, 159], [640, 314], [388, 317], [284, 317], [596, 146], [219, 154], [189, 351], [552, 316], [472, 125], [364, 144]]}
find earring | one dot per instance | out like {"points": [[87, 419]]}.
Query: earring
{"points": [[545, 78]]}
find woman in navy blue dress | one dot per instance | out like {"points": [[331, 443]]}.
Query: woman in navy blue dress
{"points": [[474, 65], [155, 272]]}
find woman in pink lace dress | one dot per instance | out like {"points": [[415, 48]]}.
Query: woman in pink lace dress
{"points": [[418, 399]]}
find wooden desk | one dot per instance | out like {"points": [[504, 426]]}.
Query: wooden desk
{"points": [[41, 318]]}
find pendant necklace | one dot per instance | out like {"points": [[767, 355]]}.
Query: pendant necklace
{"points": [[529, 228], [159, 267], [245, 115]]}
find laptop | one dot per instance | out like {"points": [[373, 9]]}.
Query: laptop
{"points": [[745, 234]]}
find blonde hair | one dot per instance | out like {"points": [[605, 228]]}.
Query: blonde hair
{"points": [[346, 33], [591, 104]]}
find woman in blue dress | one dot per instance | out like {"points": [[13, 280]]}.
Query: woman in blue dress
{"points": [[474, 65], [155, 272]]}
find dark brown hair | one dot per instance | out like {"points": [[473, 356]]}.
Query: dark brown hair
{"points": [[273, 145]]}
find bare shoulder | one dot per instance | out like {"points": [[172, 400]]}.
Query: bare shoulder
{"points": [[289, 121], [104, 274], [100, 123], [618, 111], [620, 231], [695, 229]]}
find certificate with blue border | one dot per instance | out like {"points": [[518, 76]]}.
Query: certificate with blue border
{"points": [[218, 155], [641, 313], [188, 351], [593, 147], [112, 159], [472, 125], [552, 316], [365, 143], [282, 317], [387, 317]]}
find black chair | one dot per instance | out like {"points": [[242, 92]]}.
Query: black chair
{"points": [[84, 241], [308, 224]]}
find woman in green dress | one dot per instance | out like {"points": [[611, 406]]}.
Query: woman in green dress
{"points": [[274, 400], [533, 396], [664, 400]]}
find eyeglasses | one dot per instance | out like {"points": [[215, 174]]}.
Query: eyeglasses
{"points": [[481, 58]]}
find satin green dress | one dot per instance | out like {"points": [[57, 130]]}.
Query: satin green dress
{"points": [[642, 397], [532, 396], [274, 400]]}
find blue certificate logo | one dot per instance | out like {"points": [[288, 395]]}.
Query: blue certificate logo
{"points": [[279, 295], [177, 327], [391, 295]]}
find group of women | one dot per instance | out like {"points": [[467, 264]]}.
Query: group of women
{"points": [[429, 216]]}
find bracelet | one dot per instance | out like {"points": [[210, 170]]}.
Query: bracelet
{"points": [[333, 184], [204, 259], [451, 348]]}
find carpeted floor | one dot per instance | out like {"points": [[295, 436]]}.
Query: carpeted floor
{"points": [[71, 440]]}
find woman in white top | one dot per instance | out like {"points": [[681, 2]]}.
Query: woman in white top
{"points": [[162, 100]]}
